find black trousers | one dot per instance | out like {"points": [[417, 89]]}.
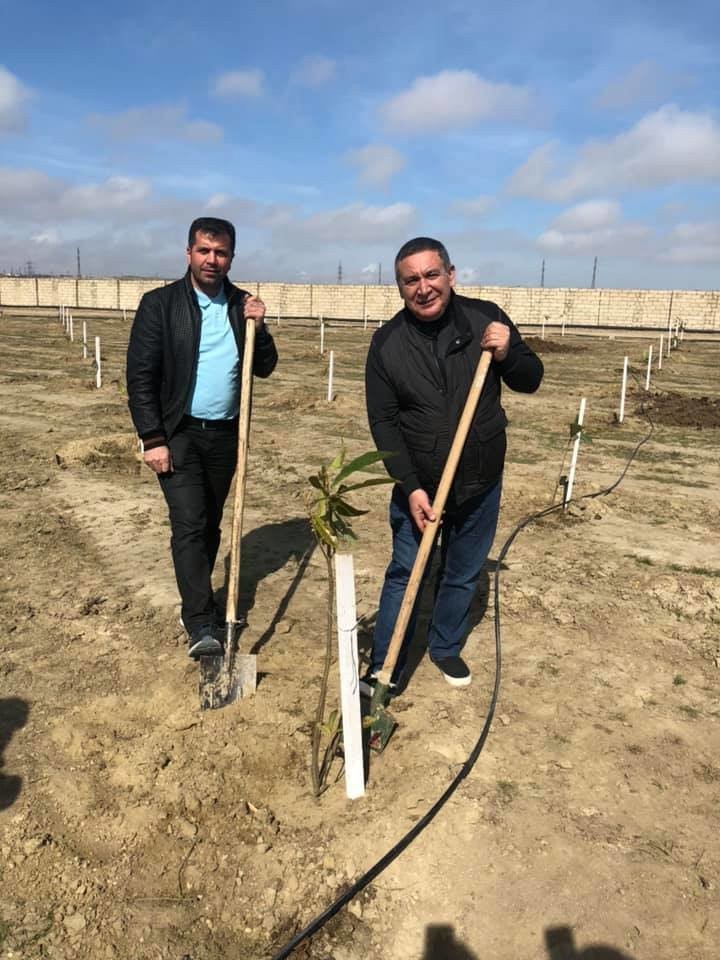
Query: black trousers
{"points": [[204, 460]]}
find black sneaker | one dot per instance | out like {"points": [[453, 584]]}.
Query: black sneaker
{"points": [[455, 670], [204, 643], [368, 683]]}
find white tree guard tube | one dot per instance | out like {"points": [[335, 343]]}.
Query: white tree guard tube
{"points": [[330, 376], [623, 389], [649, 368], [660, 353], [98, 373], [322, 335], [349, 676], [573, 458]]}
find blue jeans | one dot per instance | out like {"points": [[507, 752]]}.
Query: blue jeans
{"points": [[466, 536]]}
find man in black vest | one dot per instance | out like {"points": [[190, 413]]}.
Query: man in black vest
{"points": [[418, 373], [183, 377]]}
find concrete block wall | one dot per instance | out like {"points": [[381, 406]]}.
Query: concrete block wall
{"points": [[698, 309]]}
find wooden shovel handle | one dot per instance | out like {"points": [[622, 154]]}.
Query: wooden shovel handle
{"points": [[431, 529], [241, 469]]}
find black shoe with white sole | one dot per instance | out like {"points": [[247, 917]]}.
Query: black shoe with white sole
{"points": [[455, 670], [204, 643]]}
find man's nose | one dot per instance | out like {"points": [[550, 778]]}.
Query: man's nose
{"points": [[212, 256], [423, 286]]}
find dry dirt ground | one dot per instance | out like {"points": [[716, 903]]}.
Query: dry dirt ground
{"points": [[134, 826]]}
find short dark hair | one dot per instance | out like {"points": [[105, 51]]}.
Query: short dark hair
{"points": [[420, 245], [212, 226]]}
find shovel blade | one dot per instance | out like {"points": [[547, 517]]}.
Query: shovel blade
{"points": [[381, 729], [210, 685], [382, 722], [244, 675]]}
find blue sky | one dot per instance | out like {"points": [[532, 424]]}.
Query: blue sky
{"points": [[334, 131]]}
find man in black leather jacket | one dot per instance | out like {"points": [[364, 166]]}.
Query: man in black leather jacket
{"points": [[418, 374], [183, 377]]}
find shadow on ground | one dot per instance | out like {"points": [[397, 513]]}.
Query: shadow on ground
{"points": [[560, 945], [13, 715], [264, 551]]}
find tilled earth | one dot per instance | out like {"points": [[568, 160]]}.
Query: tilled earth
{"points": [[135, 826]]}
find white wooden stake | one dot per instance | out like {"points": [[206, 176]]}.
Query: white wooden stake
{"points": [[573, 458], [98, 375], [72, 330], [379, 324], [330, 377], [660, 353], [322, 335], [667, 353], [649, 367], [365, 321], [278, 316], [669, 335], [542, 335], [349, 676], [621, 416], [124, 314], [562, 329]]}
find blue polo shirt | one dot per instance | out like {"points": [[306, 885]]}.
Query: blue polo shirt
{"points": [[214, 392]]}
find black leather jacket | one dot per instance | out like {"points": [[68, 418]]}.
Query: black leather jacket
{"points": [[416, 389], [163, 351]]}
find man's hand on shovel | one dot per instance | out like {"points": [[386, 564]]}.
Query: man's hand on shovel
{"points": [[421, 509]]}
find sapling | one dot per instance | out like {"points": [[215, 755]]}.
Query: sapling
{"points": [[331, 519]]}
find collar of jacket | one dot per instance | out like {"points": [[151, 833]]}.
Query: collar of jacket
{"points": [[458, 331], [231, 291]]}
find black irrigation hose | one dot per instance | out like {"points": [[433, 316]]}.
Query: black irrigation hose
{"points": [[417, 829]]}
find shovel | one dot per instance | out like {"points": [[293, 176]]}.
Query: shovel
{"points": [[382, 723], [223, 679]]}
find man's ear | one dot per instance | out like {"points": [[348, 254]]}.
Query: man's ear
{"points": [[451, 275]]}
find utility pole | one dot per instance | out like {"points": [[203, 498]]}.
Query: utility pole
{"points": [[542, 275], [592, 285], [78, 263], [339, 271]]}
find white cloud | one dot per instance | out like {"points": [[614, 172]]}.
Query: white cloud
{"points": [[354, 223], [694, 243], [596, 227], [240, 83], [644, 83], [25, 189], [114, 194], [667, 146], [49, 237], [376, 164], [13, 97], [591, 215], [162, 122], [453, 99], [473, 206], [314, 72]]}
